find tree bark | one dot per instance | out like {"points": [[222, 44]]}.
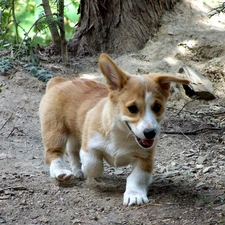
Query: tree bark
{"points": [[61, 25], [52, 26], [116, 26]]}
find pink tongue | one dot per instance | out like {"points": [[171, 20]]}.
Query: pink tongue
{"points": [[146, 142]]}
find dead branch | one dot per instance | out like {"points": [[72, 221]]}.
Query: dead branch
{"points": [[7, 121], [194, 132], [185, 106], [195, 113], [15, 128]]}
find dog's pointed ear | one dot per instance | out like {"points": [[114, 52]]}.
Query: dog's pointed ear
{"points": [[164, 80], [115, 77]]}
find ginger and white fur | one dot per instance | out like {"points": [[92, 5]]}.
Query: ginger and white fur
{"points": [[118, 122]]}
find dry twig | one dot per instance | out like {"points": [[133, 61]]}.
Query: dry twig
{"points": [[14, 126], [194, 132], [185, 106], [7, 121]]}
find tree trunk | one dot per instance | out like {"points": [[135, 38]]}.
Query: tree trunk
{"points": [[52, 26], [116, 26], [61, 25]]}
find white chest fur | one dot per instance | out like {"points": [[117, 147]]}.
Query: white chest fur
{"points": [[117, 149]]}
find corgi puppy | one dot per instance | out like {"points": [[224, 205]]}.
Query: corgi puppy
{"points": [[118, 122]]}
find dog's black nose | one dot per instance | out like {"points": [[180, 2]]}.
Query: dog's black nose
{"points": [[149, 133]]}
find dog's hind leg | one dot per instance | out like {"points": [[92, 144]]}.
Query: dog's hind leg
{"points": [[73, 149], [54, 141]]}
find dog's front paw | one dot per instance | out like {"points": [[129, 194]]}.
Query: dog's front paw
{"points": [[134, 198], [79, 174]]}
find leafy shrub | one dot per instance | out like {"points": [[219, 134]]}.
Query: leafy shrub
{"points": [[39, 72], [5, 64]]}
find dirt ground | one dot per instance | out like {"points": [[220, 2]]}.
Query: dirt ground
{"points": [[189, 179]]}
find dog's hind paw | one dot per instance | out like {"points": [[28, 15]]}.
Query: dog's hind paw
{"points": [[65, 176], [134, 198], [59, 171]]}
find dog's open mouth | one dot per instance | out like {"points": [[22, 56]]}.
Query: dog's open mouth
{"points": [[142, 142], [145, 143]]}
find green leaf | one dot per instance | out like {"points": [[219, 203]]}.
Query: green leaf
{"points": [[39, 72]]}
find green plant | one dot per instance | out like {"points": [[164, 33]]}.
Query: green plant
{"points": [[24, 25], [217, 10], [1, 86], [5, 64], [6, 29], [39, 72], [201, 200], [27, 19]]}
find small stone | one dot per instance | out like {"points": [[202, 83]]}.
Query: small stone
{"points": [[3, 156], [118, 171], [200, 184], [2, 220], [201, 159], [45, 192], [173, 163], [77, 221], [4, 197], [115, 223], [23, 202], [207, 169], [219, 199], [199, 166], [55, 69], [19, 188], [171, 173], [10, 193]]}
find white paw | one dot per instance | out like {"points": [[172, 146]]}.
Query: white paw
{"points": [[79, 174], [62, 175], [135, 198], [91, 182], [59, 171]]}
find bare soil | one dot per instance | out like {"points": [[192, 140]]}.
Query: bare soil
{"points": [[189, 183]]}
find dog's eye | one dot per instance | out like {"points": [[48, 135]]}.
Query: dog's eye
{"points": [[133, 109], [156, 107]]}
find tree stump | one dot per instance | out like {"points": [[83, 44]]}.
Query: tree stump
{"points": [[116, 26]]}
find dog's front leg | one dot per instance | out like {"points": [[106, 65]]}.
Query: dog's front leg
{"points": [[92, 163], [137, 186]]}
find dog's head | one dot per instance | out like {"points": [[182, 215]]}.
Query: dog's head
{"points": [[138, 101]]}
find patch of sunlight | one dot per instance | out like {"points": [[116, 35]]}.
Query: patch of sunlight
{"points": [[172, 61], [89, 76], [186, 45]]}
